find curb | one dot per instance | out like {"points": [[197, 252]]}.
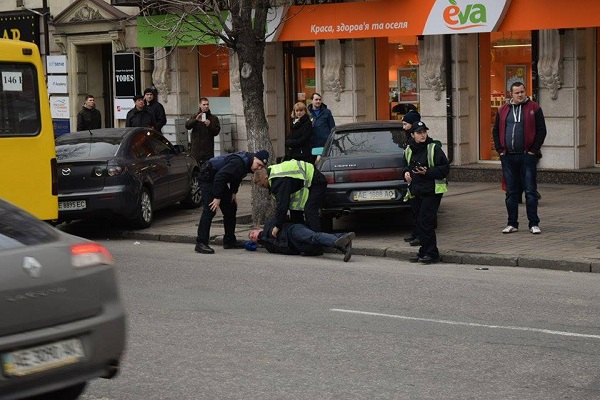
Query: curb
{"points": [[449, 257]]}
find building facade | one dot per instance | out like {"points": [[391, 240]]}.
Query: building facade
{"points": [[369, 61]]}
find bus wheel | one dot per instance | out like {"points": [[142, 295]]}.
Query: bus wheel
{"points": [[145, 213]]}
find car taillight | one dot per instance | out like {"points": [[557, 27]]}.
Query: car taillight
{"points": [[90, 254], [111, 170], [329, 177], [368, 175]]}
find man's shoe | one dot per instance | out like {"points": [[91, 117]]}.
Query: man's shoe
{"points": [[410, 238], [509, 229], [204, 249], [415, 242], [232, 246], [429, 260], [343, 240], [535, 230], [347, 250]]}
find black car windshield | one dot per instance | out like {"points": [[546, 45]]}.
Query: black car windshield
{"points": [[18, 229], [367, 142], [89, 148]]}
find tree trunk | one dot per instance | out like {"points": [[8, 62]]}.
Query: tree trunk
{"points": [[250, 51]]}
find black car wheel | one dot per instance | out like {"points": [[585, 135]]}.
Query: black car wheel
{"points": [[194, 197], [145, 212]]}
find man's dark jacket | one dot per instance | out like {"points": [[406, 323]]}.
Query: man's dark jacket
{"points": [[89, 118], [285, 242], [142, 118]]}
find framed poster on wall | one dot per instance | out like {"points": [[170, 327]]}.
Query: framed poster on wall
{"points": [[408, 85], [514, 73]]}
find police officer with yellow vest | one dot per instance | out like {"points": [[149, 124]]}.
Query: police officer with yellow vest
{"points": [[426, 169], [297, 186]]}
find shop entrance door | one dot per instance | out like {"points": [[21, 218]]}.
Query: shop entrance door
{"points": [[300, 75]]}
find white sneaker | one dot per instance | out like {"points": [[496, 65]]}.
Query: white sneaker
{"points": [[535, 230], [510, 229]]}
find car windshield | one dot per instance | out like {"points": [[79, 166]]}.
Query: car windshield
{"points": [[88, 148], [366, 142], [18, 229]]}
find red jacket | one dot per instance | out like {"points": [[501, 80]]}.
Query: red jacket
{"points": [[534, 128]]}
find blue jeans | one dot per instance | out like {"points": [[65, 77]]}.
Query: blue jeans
{"points": [[520, 170]]}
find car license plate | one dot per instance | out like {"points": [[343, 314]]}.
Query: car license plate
{"points": [[372, 195], [41, 358], [71, 205]]}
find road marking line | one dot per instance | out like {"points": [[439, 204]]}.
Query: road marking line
{"points": [[474, 324]]}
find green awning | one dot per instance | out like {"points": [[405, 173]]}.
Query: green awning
{"points": [[157, 30]]}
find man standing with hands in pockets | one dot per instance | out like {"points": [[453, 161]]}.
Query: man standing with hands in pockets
{"points": [[205, 126]]}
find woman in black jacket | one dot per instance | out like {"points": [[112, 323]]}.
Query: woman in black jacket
{"points": [[298, 141], [425, 170]]}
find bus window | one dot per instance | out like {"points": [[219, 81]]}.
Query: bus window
{"points": [[27, 156]]}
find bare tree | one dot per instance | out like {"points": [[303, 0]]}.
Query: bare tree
{"points": [[240, 25]]}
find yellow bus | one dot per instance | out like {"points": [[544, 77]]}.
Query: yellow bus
{"points": [[28, 175]]}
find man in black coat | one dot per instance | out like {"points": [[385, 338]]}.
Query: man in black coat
{"points": [[220, 178], [89, 116], [299, 239], [139, 115], [155, 108]]}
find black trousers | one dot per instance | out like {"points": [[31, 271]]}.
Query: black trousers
{"points": [[228, 208], [311, 214], [426, 209]]}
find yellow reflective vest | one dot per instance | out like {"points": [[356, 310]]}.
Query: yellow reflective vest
{"points": [[297, 170], [441, 185]]}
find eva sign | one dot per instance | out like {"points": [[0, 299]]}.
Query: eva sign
{"points": [[465, 16]]}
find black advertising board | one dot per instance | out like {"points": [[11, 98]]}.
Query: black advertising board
{"points": [[127, 74], [20, 26]]}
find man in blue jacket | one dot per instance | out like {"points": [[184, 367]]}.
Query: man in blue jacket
{"points": [[322, 121]]}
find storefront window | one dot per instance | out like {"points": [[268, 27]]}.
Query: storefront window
{"points": [[397, 76], [505, 57], [214, 77]]}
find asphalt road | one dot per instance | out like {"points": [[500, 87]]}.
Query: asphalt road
{"points": [[252, 325]]}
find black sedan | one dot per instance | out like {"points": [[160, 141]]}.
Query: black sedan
{"points": [[126, 172], [362, 163]]}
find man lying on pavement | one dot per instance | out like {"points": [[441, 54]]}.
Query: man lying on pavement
{"points": [[299, 239]]}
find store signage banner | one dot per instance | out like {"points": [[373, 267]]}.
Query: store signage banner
{"points": [[59, 107], [127, 74], [20, 26], [122, 107], [57, 84], [56, 64], [384, 18]]}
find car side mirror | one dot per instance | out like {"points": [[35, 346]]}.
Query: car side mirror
{"points": [[317, 151]]}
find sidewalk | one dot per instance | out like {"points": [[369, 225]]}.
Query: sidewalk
{"points": [[472, 216]]}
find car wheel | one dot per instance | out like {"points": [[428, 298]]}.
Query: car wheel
{"points": [[144, 212], [194, 197], [69, 393], [326, 223]]}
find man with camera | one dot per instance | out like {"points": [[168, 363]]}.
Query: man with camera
{"points": [[205, 126]]}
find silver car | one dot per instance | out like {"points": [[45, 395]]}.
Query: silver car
{"points": [[62, 322]]}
